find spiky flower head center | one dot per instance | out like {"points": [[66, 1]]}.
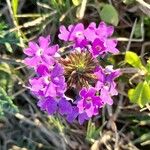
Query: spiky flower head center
{"points": [[79, 68]]}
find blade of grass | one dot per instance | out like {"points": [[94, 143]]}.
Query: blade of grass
{"points": [[14, 4]]}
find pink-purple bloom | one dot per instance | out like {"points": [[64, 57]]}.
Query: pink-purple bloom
{"points": [[48, 104], [98, 37], [39, 53], [98, 47], [53, 105], [51, 82], [56, 73], [106, 84], [89, 102]]}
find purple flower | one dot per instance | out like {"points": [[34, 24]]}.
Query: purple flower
{"points": [[73, 114], [52, 105], [65, 33], [48, 104], [106, 84], [89, 103], [55, 73], [65, 106], [40, 53], [98, 47], [81, 43], [111, 46], [104, 31], [72, 33], [106, 96], [90, 33], [77, 32], [36, 84], [50, 82], [82, 118]]}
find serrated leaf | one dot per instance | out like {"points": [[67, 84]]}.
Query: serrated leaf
{"points": [[109, 14], [133, 59], [76, 2], [6, 103], [141, 94]]}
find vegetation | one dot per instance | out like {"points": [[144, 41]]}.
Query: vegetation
{"points": [[123, 126]]}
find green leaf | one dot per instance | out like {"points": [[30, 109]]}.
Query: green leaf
{"points": [[8, 47], [143, 138], [76, 2], [148, 66], [147, 77], [5, 68], [15, 6], [6, 81], [131, 94], [137, 31], [141, 94], [6, 103], [92, 131], [109, 14], [3, 26], [133, 59]]}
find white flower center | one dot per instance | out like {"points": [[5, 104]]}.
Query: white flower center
{"points": [[47, 80], [109, 68], [88, 100], [39, 52], [79, 34]]}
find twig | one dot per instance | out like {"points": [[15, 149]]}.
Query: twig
{"points": [[33, 22], [131, 35], [41, 127], [81, 12], [29, 101], [148, 106], [124, 39], [110, 2], [65, 14], [15, 22], [119, 104], [143, 50], [143, 3], [129, 70], [12, 61], [19, 92], [109, 109], [43, 5]]}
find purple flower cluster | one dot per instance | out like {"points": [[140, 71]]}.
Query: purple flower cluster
{"points": [[97, 38], [79, 69]]}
